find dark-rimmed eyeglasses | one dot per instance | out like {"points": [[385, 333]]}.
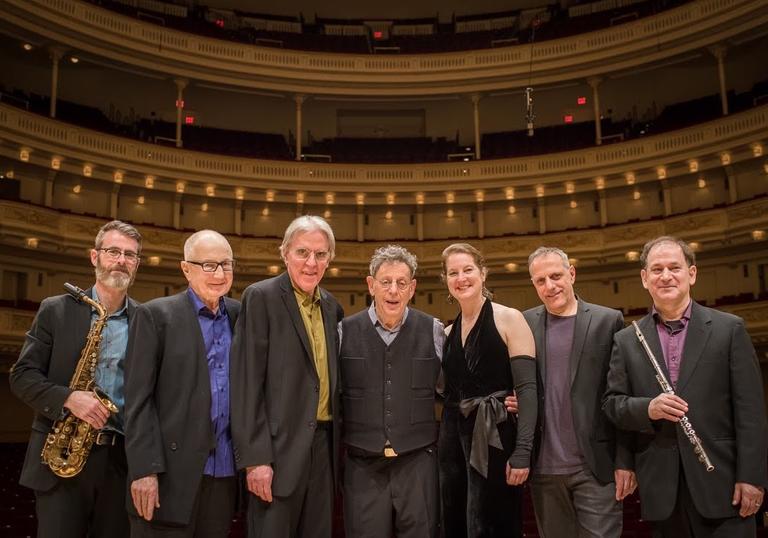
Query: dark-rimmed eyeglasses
{"points": [[211, 267], [114, 253]]}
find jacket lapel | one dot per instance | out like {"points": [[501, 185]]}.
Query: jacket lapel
{"points": [[289, 298], [189, 319], [583, 320], [540, 338], [331, 334], [648, 328], [699, 329]]}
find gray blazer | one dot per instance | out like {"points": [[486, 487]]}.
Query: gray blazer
{"points": [[275, 382], [721, 382], [604, 451], [41, 376]]}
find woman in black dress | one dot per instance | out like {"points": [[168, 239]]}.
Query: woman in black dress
{"points": [[484, 452]]}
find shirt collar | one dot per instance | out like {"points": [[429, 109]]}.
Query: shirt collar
{"points": [[305, 299], [685, 318], [377, 322], [122, 311], [201, 307]]}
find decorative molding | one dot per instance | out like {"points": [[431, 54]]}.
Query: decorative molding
{"points": [[94, 30], [595, 247], [45, 137]]}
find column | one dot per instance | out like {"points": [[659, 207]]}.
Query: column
{"points": [[719, 52], [480, 220], [238, 216], [603, 208], [733, 192], [50, 180], [476, 116], [542, 207], [114, 200], [180, 85], [299, 100], [177, 211], [420, 222], [361, 223], [56, 55], [594, 82], [667, 199]]}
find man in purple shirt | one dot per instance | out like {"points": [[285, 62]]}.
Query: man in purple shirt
{"points": [[181, 463], [708, 359], [583, 467]]}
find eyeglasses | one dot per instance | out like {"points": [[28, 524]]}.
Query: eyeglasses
{"points": [[114, 253], [211, 267], [305, 253], [401, 285]]}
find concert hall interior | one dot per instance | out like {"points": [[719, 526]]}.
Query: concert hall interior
{"points": [[590, 126]]}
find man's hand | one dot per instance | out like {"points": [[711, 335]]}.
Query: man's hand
{"points": [[667, 407], [626, 482], [750, 497], [259, 479], [146, 496], [516, 477], [510, 402], [85, 406]]}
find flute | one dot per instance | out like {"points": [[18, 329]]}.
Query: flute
{"points": [[684, 423]]}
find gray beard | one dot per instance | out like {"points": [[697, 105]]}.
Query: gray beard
{"points": [[114, 279]]}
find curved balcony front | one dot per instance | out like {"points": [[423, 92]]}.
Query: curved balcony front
{"points": [[104, 34]]}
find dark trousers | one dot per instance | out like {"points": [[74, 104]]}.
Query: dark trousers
{"points": [[212, 513], [473, 506], [308, 511], [575, 505], [686, 522], [90, 504], [397, 495]]}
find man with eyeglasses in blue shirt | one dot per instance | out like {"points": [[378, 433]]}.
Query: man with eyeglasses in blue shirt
{"points": [[92, 502], [181, 464]]}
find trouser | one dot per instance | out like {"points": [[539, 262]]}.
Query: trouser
{"points": [[308, 511], [212, 513], [575, 505], [473, 506], [386, 496], [90, 504], [686, 522]]}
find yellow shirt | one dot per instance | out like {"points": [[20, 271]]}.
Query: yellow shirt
{"points": [[311, 313]]}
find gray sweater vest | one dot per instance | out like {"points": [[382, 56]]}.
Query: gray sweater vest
{"points": [[388, 392]]}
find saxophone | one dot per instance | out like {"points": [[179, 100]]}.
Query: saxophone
{"points": [[68, 444]]}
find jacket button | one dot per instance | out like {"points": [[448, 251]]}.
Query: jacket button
{"points": [[46, 409], [174, 446], [312, 424]]}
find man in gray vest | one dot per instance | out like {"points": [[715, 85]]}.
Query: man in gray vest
{"points": [[390, 363]]}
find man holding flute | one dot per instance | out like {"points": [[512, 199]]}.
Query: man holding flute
{"points": [[708, 361]]}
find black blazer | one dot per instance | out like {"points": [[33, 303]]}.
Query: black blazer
{"points": [[589, 360], [721, 381], [168, 402], [275, 382], [41, 376]]}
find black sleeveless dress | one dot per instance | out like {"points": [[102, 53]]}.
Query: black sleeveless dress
{"points": [[476, 373]]}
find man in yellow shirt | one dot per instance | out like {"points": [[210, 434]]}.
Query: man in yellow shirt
{"points": [[285, 393]]}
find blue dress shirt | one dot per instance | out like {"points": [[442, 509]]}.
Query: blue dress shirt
{"points": [[110, 368], [217, 336]]}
